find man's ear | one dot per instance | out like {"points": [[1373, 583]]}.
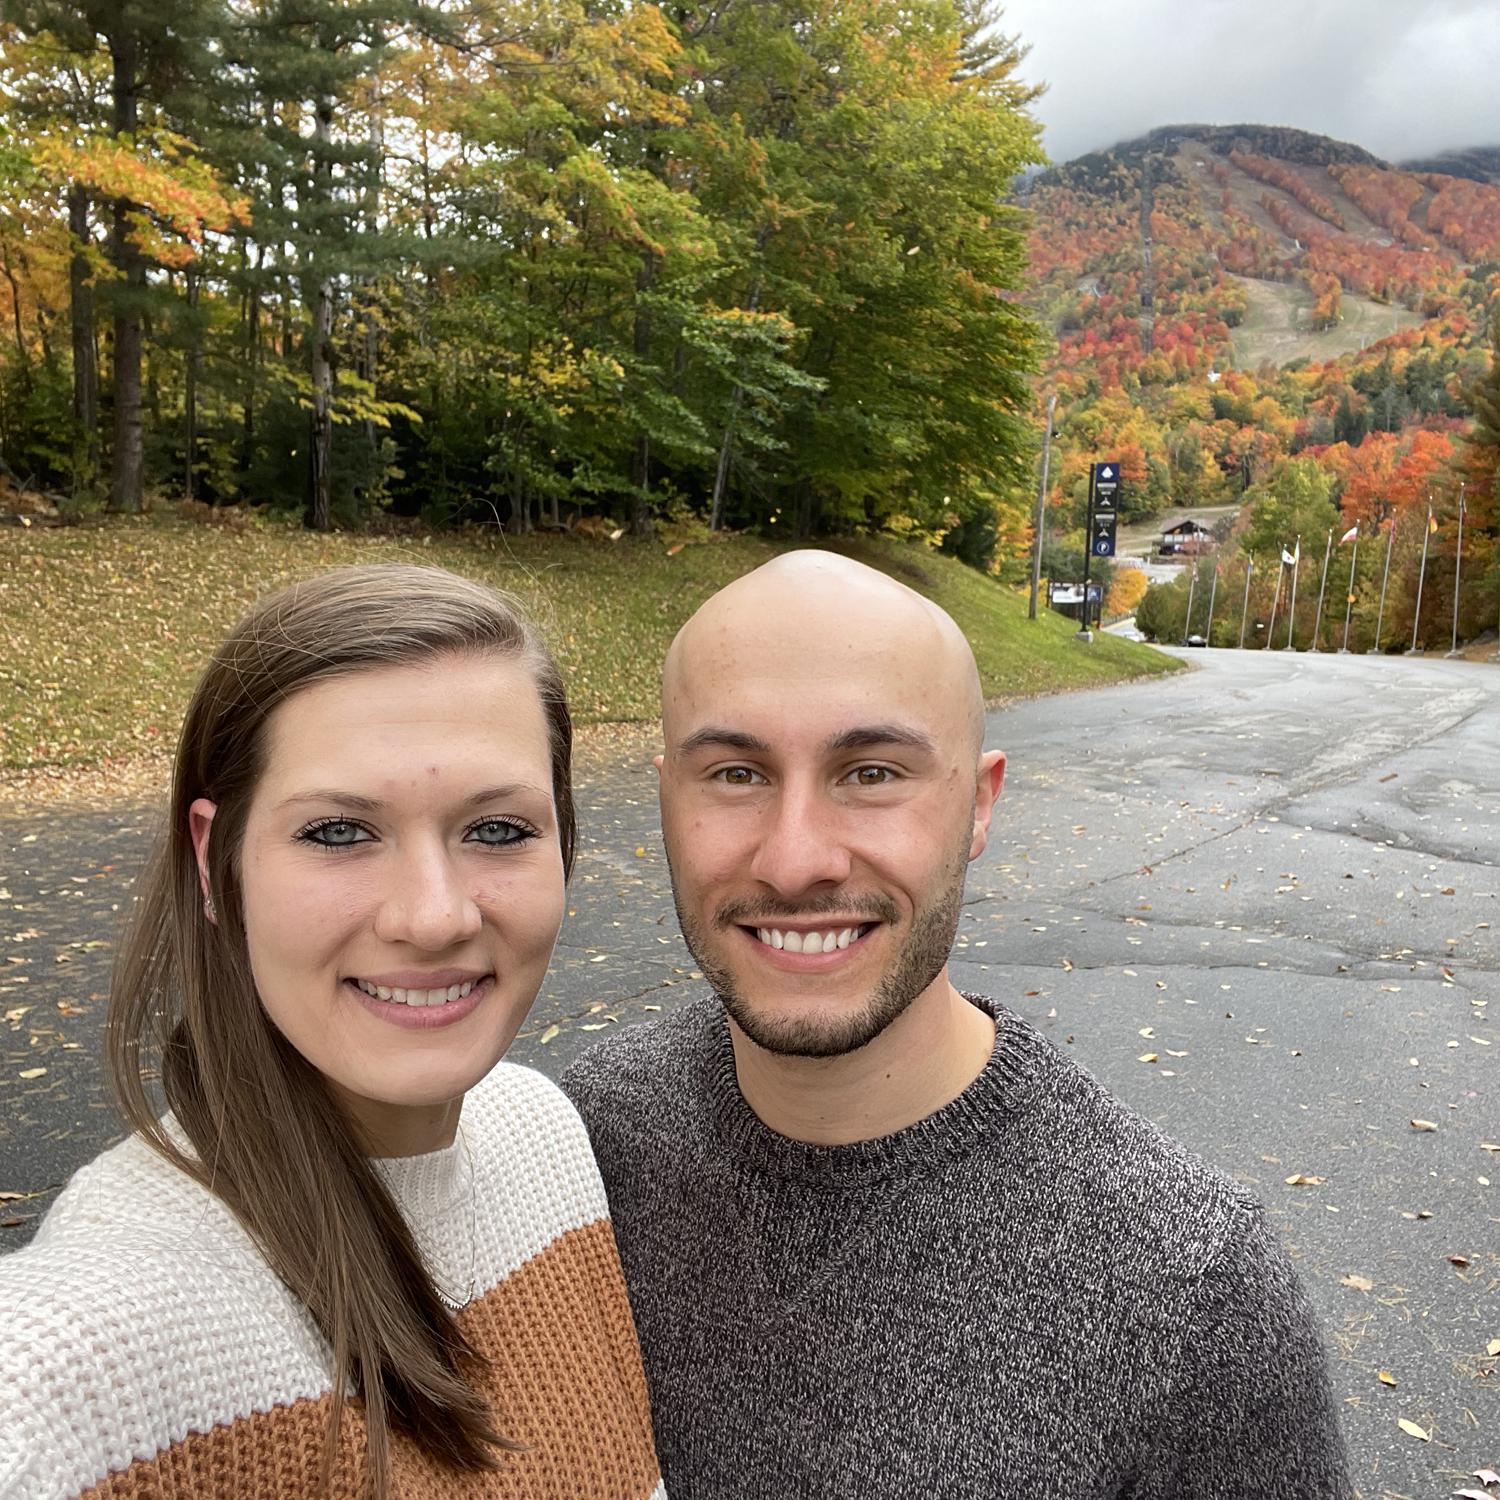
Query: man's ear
{"points": [[200, 820], [656, 760], [991, 775]]}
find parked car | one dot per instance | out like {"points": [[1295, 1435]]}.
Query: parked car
{"points": [[1195, 640]]}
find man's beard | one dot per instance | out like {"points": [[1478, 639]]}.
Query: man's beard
{"points": [[917, 963]]}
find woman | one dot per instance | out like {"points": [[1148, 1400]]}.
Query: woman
{"points": [[327, 1270]]}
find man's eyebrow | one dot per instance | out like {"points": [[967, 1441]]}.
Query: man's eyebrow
{"points": [[718, 738], [867, 736], [361, 803]]}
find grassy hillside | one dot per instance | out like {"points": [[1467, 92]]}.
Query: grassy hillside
{"points": [[106, 627]]}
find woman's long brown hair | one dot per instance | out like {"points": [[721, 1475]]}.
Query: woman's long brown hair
{"points": [[266, 1135]]}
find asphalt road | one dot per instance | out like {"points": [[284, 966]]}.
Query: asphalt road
{"points": [[1259, 901]]}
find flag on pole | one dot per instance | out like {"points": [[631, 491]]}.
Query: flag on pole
{"points": [[1431, 522], [1349, 535], [1287, 558]]}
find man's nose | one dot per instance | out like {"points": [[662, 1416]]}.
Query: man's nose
{"points": [[426, 902], [802, 843]]}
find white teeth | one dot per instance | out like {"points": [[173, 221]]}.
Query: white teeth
{"points": [[416, 997], [808, 942]]}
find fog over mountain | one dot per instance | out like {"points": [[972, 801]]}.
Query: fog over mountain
{"points": [[1399, 78]]}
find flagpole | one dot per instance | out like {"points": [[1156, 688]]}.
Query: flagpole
{"points": [[1245, 609], [1416, 619], [1349, 601], [1213, 593], [1390, 543], [1458, 568], [1291, 614], [1187, 624], [1322, 587], [1276, 600]]}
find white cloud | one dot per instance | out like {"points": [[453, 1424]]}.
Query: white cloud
{"points": [[1397, 77]]}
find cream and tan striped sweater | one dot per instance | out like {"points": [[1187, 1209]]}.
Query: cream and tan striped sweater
{"points": [[148, 1350]]}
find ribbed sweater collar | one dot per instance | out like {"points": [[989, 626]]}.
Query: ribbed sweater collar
{"points": [[994, 1100], [427, 1187]]}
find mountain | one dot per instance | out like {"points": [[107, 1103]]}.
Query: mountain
{"points": [[1227, 298]]}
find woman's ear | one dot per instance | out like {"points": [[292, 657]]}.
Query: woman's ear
{"points": [[200, 820]]}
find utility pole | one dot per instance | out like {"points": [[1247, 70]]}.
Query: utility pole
{"points": [[1213, 593], [1291, 614], [1041, 514], [1322, 587], [1390, 545], [1349, 601], [1245, 608], [1416, 619], [1458, 569]]}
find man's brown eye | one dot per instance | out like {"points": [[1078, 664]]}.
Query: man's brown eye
{"points": [[871, 775], [737, 776]]}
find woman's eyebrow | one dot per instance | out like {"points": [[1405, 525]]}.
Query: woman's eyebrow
{"points": [[362, 803]]}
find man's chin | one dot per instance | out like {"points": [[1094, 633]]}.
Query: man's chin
{"points": [[809, 1028]]}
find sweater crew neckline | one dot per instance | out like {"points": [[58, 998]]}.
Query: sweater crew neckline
{"points": [[1000, 1090], [430, 1186]]}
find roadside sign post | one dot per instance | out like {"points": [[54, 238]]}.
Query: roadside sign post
{"points": [[1245, 608], [1187, 621], [1213, 593], [1099, 532]]}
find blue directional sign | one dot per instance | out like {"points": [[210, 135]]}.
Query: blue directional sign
{"points": [[1104, 484]]}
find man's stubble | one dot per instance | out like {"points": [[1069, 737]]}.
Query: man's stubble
{"points": [[919, 961]]}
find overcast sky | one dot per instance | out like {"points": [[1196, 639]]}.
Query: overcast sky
{"points": [[1399, 77]]}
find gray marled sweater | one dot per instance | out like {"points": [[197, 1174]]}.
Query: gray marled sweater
{"points": [[1031, 1295]]}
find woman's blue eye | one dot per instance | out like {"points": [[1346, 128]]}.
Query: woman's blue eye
{"points": [[499, 831], [336, 834]]}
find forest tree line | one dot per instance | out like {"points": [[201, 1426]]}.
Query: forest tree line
{"points": [[514, 260]]}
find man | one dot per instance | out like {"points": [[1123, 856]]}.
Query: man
{"points": [[881, 1239]]}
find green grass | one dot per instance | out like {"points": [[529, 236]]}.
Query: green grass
{"points": [[105, 627]]}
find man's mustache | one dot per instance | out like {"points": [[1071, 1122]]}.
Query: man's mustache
{"points": [[759, 912]]}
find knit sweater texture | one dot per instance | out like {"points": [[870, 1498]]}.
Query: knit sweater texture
{"points": [[149, 1350], [1032, 1294]]}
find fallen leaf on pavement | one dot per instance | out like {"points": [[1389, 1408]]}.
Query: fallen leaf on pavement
{"points": [[1487, 1476], [1412, 1430], [1301, 1179], [1423, 1125], [1493, 1347], [1359, 1283], [1488, 1146], [1458, 1260], [1385, 1377], [548, 1034], [1473, 1495], [31, 1073], [1146, 1057]]}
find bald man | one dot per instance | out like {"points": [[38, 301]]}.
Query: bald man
{"points": [[881, 1239]]}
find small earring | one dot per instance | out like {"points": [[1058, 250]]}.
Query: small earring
{"points": [[208, 909]]}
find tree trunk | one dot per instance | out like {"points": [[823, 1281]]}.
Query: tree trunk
{"points": [[252, 355], [190, 390], [640, 476], [320, 509], [15, 307], [370, 343], [127, 461]]}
